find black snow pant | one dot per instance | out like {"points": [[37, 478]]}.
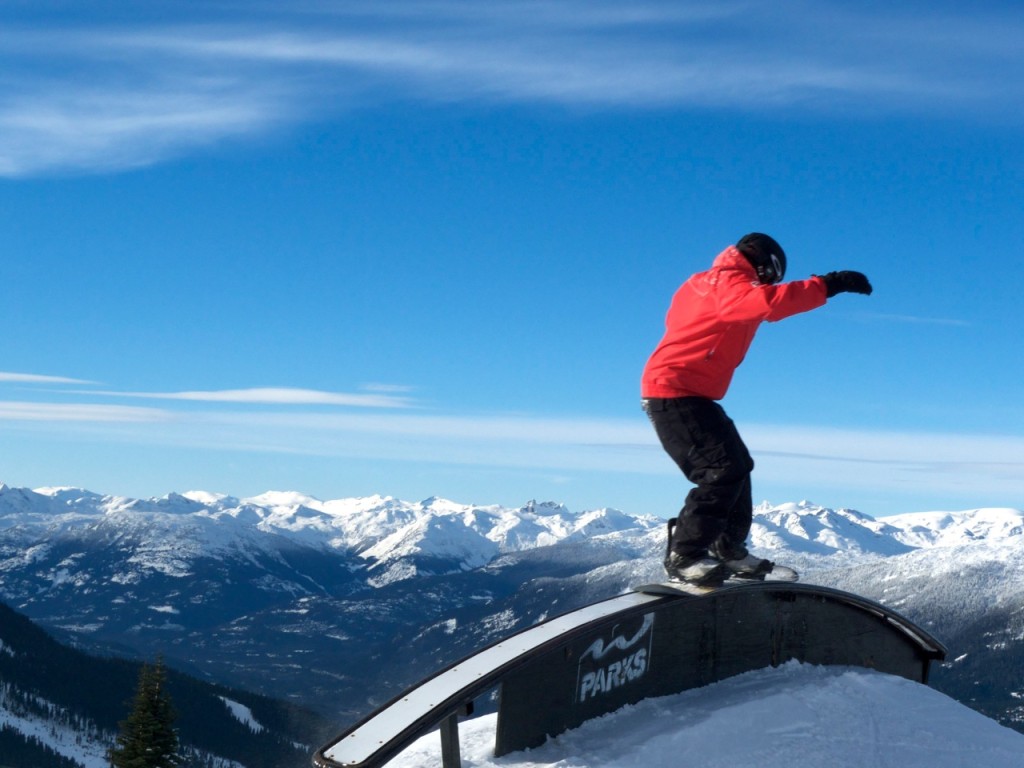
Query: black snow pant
{"points": [[702, 440]]}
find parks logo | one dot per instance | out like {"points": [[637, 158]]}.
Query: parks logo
{"points": [[606, 667]]}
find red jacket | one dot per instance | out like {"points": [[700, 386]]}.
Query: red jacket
{"points": [[711, 322]]}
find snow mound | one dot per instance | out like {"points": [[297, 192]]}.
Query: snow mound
{"points": [[795, 716]]}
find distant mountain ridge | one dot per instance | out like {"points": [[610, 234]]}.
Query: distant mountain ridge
{"points": [[375, 532], [381, 530], [339, 604]]}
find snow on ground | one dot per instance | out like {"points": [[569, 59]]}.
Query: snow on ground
{"points": [[243, 714], [62, 739], [796, 716]]}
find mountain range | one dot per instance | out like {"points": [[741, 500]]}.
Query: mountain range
{"points": [[338, 605]]}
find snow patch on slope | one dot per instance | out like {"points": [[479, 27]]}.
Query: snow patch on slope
{"points": [[243, 714], [51, 729]]}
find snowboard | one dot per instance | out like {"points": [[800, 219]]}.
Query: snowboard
{"points": [[780, 573]]}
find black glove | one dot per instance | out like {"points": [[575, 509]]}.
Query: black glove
{"points": [[845, 282]]}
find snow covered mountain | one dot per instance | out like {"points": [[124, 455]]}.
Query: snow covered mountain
{"points": [[339, 604], [176, 529]]}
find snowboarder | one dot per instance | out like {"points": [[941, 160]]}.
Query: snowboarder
{"points": [[708, 329]]}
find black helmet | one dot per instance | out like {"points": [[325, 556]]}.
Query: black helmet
{"points": [[766, 256]]}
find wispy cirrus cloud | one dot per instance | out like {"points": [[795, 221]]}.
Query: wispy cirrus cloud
{"points": [[794, 458], [117, 126], [914, 319], [35, 378], [379, 395], [77, 413], [384, 422], [929, 462], [105, 95], [274, 396]]}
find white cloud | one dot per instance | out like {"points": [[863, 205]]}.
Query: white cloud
{"points": [[34, 378], [799, 457], [117, 126], [275, 396], [928, 462], [914, 319], [908, 464], [19, 411], [100, 96], [388, 388]]}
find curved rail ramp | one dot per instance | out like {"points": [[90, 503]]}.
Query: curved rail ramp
{"points": [[591, 661]]}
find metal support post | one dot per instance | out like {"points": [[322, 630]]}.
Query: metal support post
{"points": [[451, 754]]}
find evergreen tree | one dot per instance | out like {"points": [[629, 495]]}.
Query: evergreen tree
{"points": [[147, 738]]}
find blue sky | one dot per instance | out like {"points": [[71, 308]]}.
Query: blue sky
{"points": [[424, 248]]}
